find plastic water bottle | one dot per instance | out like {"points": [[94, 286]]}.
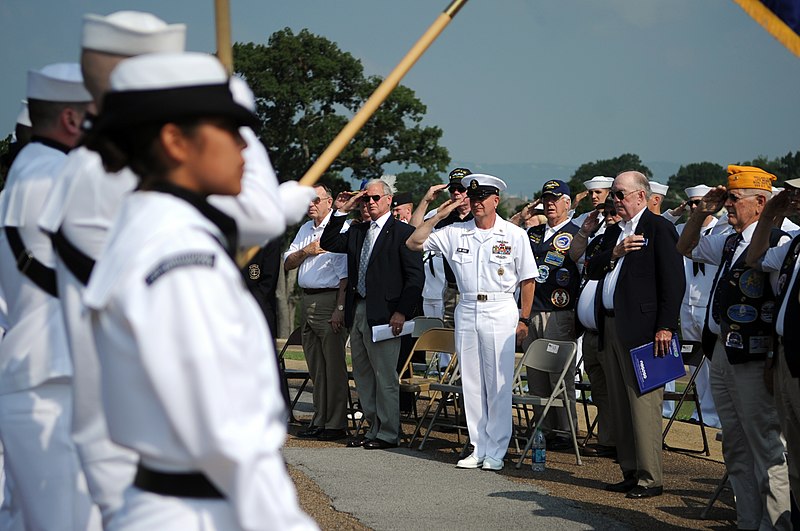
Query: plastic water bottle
{"points": [[539, 451]]}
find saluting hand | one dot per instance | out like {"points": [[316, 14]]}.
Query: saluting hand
{"points": [[713, 201], [591, 223], [346, 201]]}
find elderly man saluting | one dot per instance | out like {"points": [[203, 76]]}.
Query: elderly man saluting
{"points": [[640, 295], [740, 313], [490, 258]]}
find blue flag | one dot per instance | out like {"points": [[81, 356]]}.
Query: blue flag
{"points": [[779, 17]]}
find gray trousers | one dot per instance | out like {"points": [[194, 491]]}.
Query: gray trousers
{"points": [[751, 443], [375, 373], [325, 354], [593, 365], [636, 418], [559, 326]]}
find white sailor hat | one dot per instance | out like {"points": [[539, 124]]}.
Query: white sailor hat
{"points": [[60, 82], [697, 191], [131, 33], [598, 182], [658, 188], [160, 87], [23, 118], [794, 183], [480, 185]]}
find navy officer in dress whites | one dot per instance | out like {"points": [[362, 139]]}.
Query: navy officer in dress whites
{"points": [[553, 312], [490, 258], [639, 300], [740, 315]]}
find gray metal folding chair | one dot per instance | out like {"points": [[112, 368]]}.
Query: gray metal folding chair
{"points": [[554, 357]]}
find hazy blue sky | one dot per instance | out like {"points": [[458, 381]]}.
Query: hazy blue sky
{"points": [[511, 81]]}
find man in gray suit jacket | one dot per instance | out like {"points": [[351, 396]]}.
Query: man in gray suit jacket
{"points": [[385, 282]]}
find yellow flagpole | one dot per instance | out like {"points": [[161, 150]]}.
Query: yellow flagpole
{"points": [[381, 93], [222, 14]]}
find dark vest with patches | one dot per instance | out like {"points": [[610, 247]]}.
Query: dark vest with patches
{"points": [[559, 279], [791, 317], [746, 308]]}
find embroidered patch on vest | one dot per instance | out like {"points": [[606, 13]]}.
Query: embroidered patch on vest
{"points": [[181, 260]]}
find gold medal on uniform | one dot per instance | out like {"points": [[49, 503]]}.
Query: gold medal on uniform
{"points": [[501, 271]]}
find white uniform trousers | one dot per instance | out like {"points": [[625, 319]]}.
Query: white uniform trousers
{"points": [[787, 401], [485, 338], [145, 511], [42, 463], [751, 443], [692, 318]]}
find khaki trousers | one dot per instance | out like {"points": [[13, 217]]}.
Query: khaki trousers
{"points": [[325, 354], [636, 418], [751, 443]]}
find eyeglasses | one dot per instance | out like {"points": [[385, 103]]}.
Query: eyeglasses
{"points": [[318, 199], [457, 188], [693, 202], [376, 198], [734, 198], [619, 194]]}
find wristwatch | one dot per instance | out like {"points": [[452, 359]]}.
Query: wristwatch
{"points": [[525, 320], [340, 307]]}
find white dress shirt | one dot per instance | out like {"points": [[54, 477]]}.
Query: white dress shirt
{"points": [[323, 270], [610, 283]]}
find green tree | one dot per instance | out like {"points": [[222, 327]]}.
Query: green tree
{"points": [[607, 167], [708, 173], [307, 89], [784, 168], [417, 184]]}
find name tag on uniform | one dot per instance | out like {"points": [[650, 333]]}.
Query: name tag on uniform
{"points": [[462, 250]]}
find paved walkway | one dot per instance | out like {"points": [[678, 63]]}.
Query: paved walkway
{"points": [[404, 489]]}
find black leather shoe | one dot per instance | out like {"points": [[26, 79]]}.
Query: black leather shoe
{"points": [[599, 450], [625, 485], [357, 442], [638, 492], [559, 443], [332, 435], [311, 432], [378, 444]]}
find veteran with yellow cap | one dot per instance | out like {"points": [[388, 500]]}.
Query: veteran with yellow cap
{"points": [[491, 258], [740, 314]]}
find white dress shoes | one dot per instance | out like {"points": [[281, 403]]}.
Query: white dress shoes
{"points": [[490, 463], [472, 461]]}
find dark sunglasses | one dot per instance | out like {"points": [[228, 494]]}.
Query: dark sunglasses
{"points": [[367, 198], [456, 188], [619, 194], [693, 202], [318, 199], [606, 211]]}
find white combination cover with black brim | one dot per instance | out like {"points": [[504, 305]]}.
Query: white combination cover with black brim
{"points": [[188, 370]]}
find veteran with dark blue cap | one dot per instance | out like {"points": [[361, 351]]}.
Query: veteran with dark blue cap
{"points": [[490, 258], [552, 313]]}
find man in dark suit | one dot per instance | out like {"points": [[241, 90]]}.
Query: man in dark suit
{"points": [[385, 283], [638, 302]]}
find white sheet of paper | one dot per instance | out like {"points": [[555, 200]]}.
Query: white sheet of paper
{"points": [[384, 332]]}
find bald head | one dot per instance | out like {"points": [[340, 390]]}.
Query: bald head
{"points": [[635, 190]]}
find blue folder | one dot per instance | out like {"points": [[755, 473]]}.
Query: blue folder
{"points": [[652, 372]]}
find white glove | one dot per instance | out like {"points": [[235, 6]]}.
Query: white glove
{"points": [[295, 200]]}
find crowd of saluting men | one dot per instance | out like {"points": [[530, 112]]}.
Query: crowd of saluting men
{"points": [[138, 382]]}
